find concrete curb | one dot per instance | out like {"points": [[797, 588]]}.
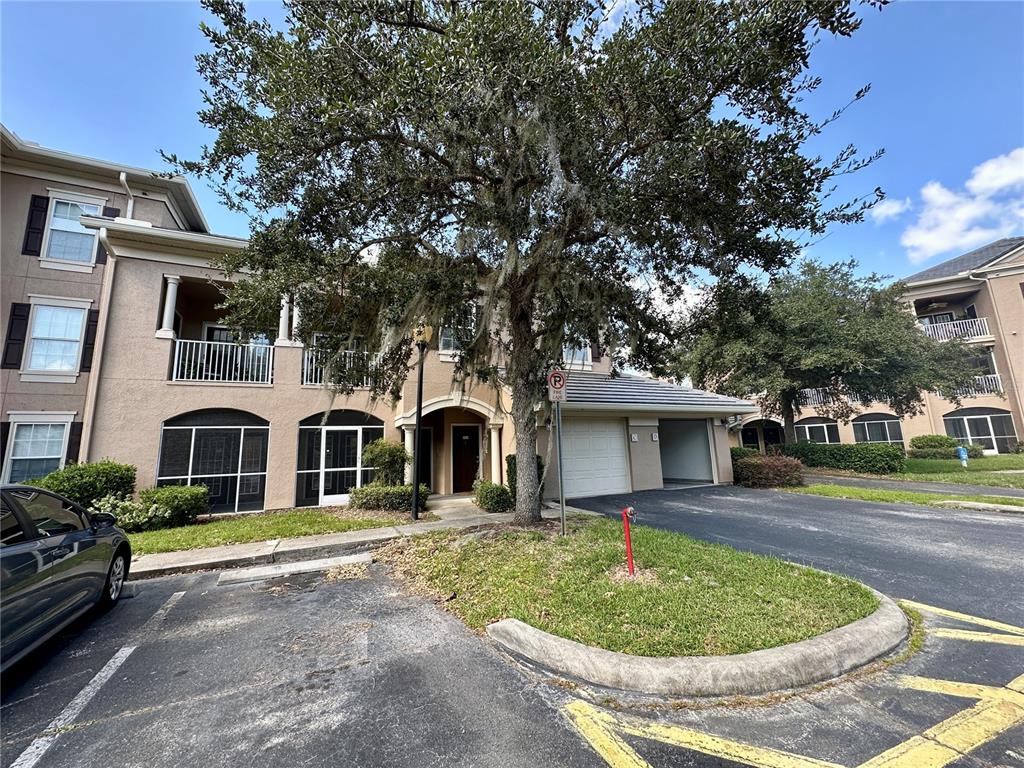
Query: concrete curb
{"points": [[814, 660], [982, 506]]}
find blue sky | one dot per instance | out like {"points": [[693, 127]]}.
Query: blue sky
{"points": [[117, 80]]}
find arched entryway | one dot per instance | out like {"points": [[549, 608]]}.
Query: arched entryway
{"points": [[330, 462], [222, 448], [761, 434]]}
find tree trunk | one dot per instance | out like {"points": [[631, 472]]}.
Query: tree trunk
{"points": [[523, 372], [788, 420]]}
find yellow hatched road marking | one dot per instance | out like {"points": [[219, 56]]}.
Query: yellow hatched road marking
{"points": [[979, 637], [597, 728], [965, 690], [981, 622]]}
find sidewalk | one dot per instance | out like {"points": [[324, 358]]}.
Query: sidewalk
{"points": [[452, 517]]}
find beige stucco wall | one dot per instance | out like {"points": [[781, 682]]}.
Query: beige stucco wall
{"points": [[644, 454]]}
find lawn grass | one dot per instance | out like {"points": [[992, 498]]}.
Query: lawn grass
{"points": [[959, 477], [690, 597], [886, 495], [981, 471], [982, 464], [258, 527]]}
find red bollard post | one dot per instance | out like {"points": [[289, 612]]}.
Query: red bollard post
{"points": [[627, 515]]}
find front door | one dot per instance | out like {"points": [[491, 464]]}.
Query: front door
{"points": [[465, 457], [340, 464]]}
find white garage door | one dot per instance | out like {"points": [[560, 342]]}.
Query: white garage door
{"points": [[595, 457]]}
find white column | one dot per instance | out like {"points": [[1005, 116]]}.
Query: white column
{"points": [[170, 302], [295, 323], [282, 321], [409, 433], [496, 453]]}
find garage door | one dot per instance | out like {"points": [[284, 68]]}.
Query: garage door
{"points": [[595, 457]]}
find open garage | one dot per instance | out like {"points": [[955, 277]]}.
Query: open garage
{"points": [[685, 451]]}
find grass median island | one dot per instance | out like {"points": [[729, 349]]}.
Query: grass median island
{"points": [[987, 470], [689, 598], [261, 527], [886, 495]]}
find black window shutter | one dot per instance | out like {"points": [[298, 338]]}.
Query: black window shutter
{"points": [[101, 252], [595, 351], [37, 208], [74, 443], [17, 333], [89, 343]]}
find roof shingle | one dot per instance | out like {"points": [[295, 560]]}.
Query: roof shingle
{"points": [[961, 264], [634, 391]]}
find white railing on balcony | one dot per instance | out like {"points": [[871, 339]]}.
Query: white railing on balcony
{"points": [[989, 384], [970, 328], [223, 362], [357, 366], [814, 397]]}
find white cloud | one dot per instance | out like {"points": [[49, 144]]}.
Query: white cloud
{"points": [[998, 174], [990, 207], [889, 209]]}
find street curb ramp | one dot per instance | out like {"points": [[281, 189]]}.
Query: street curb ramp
{"points": [[814, 660]]}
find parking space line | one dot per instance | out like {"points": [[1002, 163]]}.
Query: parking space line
{"points": [[979, 637], [157, 618], [597, 728], [35, 751], [981, 622]]}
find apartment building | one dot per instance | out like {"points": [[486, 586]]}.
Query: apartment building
{"points": [[977, 297], [114, 346]]}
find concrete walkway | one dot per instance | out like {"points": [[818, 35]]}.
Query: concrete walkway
{"points": [[452, 517], [914, 485]]}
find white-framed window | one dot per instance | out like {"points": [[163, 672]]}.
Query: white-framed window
{"points": [[878, 428], [459, 327], [577, 357], [56, 331], [37, 446], [817, 430], [66, 243], [991, 428]]}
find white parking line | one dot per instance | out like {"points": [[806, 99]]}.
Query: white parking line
{"points": [[35, 751]]}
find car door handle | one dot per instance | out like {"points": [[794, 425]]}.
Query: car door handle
{"points": [[60, 551]]}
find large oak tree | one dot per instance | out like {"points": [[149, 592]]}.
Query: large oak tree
{"points": [[567, 172]]}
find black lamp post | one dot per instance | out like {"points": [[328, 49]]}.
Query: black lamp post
{"points": [[421, 336]]}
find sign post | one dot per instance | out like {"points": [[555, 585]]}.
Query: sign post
{"points": [[556, 395]]}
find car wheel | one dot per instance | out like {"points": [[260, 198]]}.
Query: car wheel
{"points": [[115, 581]]}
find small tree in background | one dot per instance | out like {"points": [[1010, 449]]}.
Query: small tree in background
{"points": [[818, 326], [567, 174], [388, 458]]}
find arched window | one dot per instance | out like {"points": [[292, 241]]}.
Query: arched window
{"points": [[877, 428], [991, 428], [331, 456], [221, 448], [817, 429]]}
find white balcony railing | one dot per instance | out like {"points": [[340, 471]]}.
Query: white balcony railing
{"points": [[971, 328], [223, 362], [358, 366], [814, 397], [989, 384]]}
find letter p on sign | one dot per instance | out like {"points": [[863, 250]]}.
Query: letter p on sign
{"points": [[556, 386]]}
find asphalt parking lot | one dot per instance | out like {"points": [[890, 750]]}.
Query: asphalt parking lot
{"points": [[308, 671]]}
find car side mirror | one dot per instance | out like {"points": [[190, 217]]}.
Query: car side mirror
{"points": [[103, 520]]}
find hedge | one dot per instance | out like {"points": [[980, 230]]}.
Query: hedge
{"points": [[388, 457], [87, 483], [767, 471], [133, 516], [177, 504], [492, 497], [973, 452], [388, 498], [742, 453], [510, 473], [933, 441], [872, 458]]}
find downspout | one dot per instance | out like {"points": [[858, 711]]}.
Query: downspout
{"points": [[1009, 368], [131, 197], [97, 352]]}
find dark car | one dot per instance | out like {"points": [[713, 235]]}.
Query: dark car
{"points": [[56, 562]]}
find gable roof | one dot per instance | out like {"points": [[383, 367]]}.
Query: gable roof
{"points": [[961, 265], [638, 393]]}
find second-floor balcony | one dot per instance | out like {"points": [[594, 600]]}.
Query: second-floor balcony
{"points": [[989, 384], [969, 328], [222, 362], [356, 366]]}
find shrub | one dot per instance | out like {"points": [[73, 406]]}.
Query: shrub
{"points": [[133, 516], [933, 441], [87, 483], [742, 453], [872, 458], [388, 498], [767, 471], [389, 458], [492, 497], [510, 473], [178, 504], [973, 452]]}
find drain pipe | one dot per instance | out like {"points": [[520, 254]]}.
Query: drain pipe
{"points": [[131, 197], [97, 352]]}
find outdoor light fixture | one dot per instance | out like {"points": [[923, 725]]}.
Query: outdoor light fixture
{"points": [[421, 337]]}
